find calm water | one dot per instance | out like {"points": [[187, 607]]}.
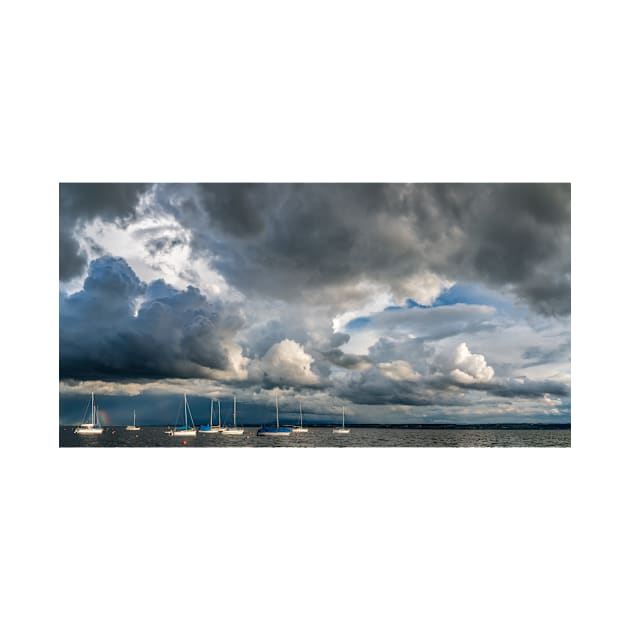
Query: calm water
{"points": [[155, 436]]}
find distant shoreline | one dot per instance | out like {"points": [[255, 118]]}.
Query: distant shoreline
{"points": [[495, 426]]}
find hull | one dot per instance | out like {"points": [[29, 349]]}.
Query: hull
{"points": [[274, 433], [213, 430], [130, 428], [95, 431], [341, 431], [184, 432], [299, 430], [233, 431]]}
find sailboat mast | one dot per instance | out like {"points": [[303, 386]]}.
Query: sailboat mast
{"points": [[219, 401], [300, 414], [235, 411], [211, 412], [185, 411], [277, 421], [343, 418], [92, 408], [134, 417]]}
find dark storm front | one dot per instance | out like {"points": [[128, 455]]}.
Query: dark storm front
{"points": [[322, 437]]}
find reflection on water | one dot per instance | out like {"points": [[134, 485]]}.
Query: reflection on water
{"points": [[318, 437]]}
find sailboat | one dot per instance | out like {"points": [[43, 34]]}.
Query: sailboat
{"points": [[342, 428], [186, 430], [133, 427], [234, 430], [301, 428], [277, 431], [211, 428], [94, 426]]}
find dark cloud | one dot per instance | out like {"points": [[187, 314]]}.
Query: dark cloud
{"points": [[163, 244], [72, 260], [287, 240], [522, 239], [538, 355], [374, 387], [370, 387], [524, 388], [338, 339], [346, 360], [262, 336], [173, 334], [240, 209], [432, 323], [79, 203], [329, 353], [413, 350]]}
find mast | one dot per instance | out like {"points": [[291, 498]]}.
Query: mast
{"points": [[192, 422], [211, 413], [300, 414], [343, 418], [277, 421], [92, 408], [234, 411], [219, 401], [134, 417], [185, 411]]}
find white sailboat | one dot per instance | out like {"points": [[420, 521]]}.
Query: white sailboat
{"points": [[212, 428], [185, 430], [342, 429], [94, 426], [133, 427], [233, 430], [301, 428]]}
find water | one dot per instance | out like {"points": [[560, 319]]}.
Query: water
{"points": [[320, 436]]}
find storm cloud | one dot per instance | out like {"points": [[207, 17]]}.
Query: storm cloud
{"points": [[80, 203], [117, 327], [288, 240]]}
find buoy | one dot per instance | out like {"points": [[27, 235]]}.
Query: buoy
{"points": [[184, 442]]}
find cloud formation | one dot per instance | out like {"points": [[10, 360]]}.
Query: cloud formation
{"points": [[118, 327], [470, 368], [288, 240], [285, 363], [80, 203], [389, 296]]}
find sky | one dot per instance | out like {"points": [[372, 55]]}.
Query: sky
{"points": [[403, 303]]}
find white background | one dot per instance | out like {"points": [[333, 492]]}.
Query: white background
{"points": [[322, 91]]}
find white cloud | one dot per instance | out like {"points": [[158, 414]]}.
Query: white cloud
{"points": [[107, 388], [285, 362], [470, 368], [423, 288], [237, 370], [373, 300], [156, 246], [399, 371]]}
